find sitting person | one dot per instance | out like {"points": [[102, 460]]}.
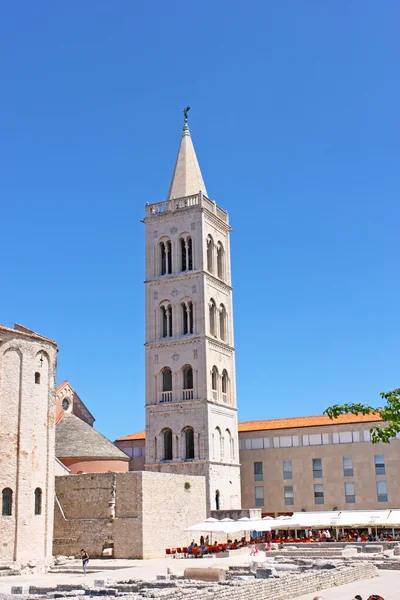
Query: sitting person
{"points": [[203, 549], [190, 548]]}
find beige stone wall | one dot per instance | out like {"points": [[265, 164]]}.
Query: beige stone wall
{"points": [[333, 480], [151, 512], [27, 453], [135, 449]]}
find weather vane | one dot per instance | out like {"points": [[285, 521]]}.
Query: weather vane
{"points": [[185, 114]]}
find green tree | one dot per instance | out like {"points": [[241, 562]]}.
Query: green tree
{"points": [[390, 414]]}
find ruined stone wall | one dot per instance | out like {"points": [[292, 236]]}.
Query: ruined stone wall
{"points": [[139, 513], [27, 447]]}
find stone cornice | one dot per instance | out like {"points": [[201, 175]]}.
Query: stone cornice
{"points": [[215, 221], [171, 216], [172, 342], [189, 275], [217, 344]]}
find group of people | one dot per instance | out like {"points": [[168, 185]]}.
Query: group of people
{"points": [[358, 597]]}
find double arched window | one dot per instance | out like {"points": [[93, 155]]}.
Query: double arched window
{"points": [[216, 390], [165, 257], [166, 394], [218, 249], [186, 253], [7, 496], [166, 320]]}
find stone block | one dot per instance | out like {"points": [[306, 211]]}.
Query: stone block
{"points": [[373, 548], [19, 589], [99, 583], [209, 574], [266, 573], [349, 551]]}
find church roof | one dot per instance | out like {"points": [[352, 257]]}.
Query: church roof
{"points": [[292, 422], [21, 329], [77, 439], [187, 179]]}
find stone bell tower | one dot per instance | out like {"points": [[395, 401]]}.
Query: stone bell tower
{"points": [[191, 413]]}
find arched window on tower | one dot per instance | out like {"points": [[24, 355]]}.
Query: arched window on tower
{"points": [[224, 385], [187, 383], [167, 434], [187, 315], [214, 382], [37, 378], [7, 502], [222, 322], [210, 254], [186, 253], [166, 394], [183, 255], [38, 501], [212, 314], [166, 257], [189, 443], [220, 260], [189, 254], [166, 320]]}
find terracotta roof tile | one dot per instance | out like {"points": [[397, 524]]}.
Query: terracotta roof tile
{"points": [[318, 421], [271, 424], [140, 435]]}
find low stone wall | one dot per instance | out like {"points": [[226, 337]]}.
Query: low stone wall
{"points": [[386, 545]]}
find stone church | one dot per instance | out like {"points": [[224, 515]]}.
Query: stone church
{"points": [[191, 413]]}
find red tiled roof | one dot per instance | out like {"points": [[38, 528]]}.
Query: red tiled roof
{"points": [[292, 422], [318, 421], [140, 435], [61, 385]]}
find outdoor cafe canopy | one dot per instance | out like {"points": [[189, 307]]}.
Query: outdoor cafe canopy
{"points": [[303, 520]]}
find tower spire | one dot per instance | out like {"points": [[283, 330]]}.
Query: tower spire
{"points": [[187, 178]]}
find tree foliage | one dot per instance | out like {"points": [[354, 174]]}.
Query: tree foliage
{"points": [[390, 414]]}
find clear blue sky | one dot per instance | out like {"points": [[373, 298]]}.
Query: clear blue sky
{"points": [[295, 120]]}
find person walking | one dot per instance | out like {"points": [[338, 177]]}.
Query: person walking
{"points": [[85, 560]]}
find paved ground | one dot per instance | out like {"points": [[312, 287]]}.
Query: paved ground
{"points": [[387, 585]]}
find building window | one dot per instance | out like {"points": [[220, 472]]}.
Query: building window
{"points": [[166, 394], [258, 471], [187, 313], [220, 260], [287, 469], [259, 496], [212, 314], [37, 378], [318, 493], [65, 404], [167, 444], [166, 317], [222, 322], [348, 466], [189, 443], [350, 493], [214, 382], [317, 468], [166, 258], [38, 501], [210, 254], [380, 468], [288, 495], [7, 502], [381, 490], [224, 385], [217, 500], [186, 254], [187, 383]]}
